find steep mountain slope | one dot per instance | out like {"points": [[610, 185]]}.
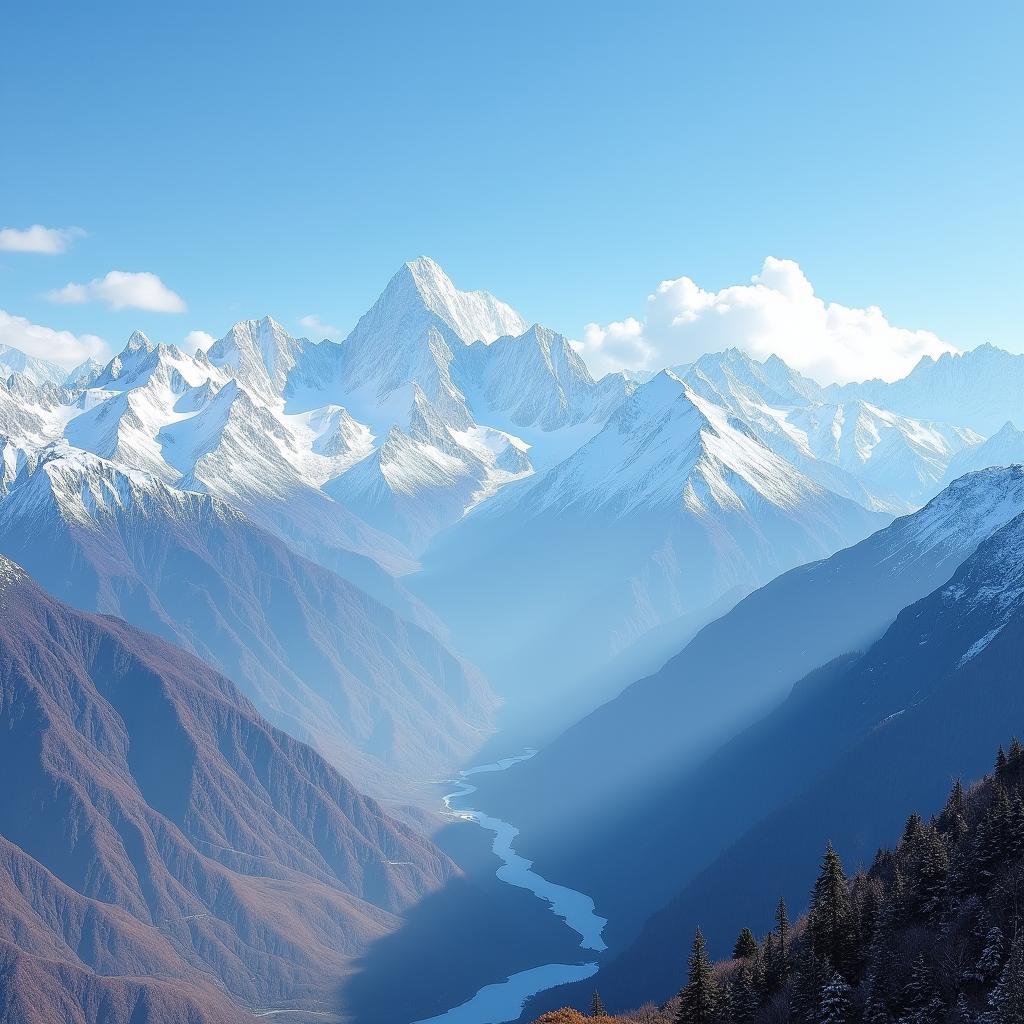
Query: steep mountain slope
{"points": [[980, 389], [931, 931], [83, 375], [38, 371], [166, 853], [376, 695], [410, 336], [455, 390], [669, 507], [853, 747], [607, 781]]}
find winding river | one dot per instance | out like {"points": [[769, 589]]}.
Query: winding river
{"points": [[503, 1001]]}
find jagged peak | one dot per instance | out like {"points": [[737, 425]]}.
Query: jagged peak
{"points": [[138, 342], [1008, 429], [471, 315]]}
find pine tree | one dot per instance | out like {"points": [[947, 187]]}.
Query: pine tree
{"points": [[746, 995], [933, 872], [810, 973], [956, 802], [921, 995], [698, 1001], [991, 961], [1001, 764], [835, 1005], [964, 1014], [746, 945], [991, 840], [876, 1012], [912, 831], [1015, 826], [831, 917], [1006, 1001], [1016, 754], [725, 1010], [780, 967], [596, 1006]]}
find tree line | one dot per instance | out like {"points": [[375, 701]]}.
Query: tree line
{"points": [[930, 934]]}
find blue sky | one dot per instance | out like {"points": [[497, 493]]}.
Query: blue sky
{"points": [[568, 157]]}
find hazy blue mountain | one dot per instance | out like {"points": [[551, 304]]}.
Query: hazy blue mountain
{"points": [[380, 697], [166, 856], [608, 799]]}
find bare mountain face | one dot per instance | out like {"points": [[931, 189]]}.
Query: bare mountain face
{"points": [[165, 854], [379, 697]]}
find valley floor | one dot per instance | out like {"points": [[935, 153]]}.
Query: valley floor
{"points": [[477, 931]]}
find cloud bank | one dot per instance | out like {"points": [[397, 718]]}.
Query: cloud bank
{"points": [[317, 328], [197, 341], [121, 289], [777, 313], [38, 239], [61, 347]]}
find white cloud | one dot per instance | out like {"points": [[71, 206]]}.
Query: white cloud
{"points": [[61, 347], [777, 313], [317, 328], [38, 239], [196, 341], [123, 290]]}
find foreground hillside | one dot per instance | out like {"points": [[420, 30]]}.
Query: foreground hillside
{"points": [[166, 856], [931, 933]]}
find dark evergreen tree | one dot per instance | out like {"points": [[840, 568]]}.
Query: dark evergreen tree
{"points": [[933, 872], [780, 965], [991, 961], [725, 1010], [1006, 1003], [835, 1004], [750, 989], [1016, 754], [964, 1014], [746, 945], [1001, 764], [698, 1001], [831, 917], [956, 802], [912, 830], [991, 843], [596, 1006], [809, 976], [921, 996], [876, 1012]]}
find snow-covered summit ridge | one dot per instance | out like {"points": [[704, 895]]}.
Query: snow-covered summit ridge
{"points": [[473, 316], [440, 398]]}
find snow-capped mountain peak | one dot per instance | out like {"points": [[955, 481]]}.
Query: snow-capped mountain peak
{"points": [[39, 371], [473, 316], [259, 353]]}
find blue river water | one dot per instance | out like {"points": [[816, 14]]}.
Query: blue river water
{"points": [[504, 1000]]}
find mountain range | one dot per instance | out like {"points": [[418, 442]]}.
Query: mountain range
{"points": [[377, 695], [281, 564], [166, 855], [444, 431]]}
